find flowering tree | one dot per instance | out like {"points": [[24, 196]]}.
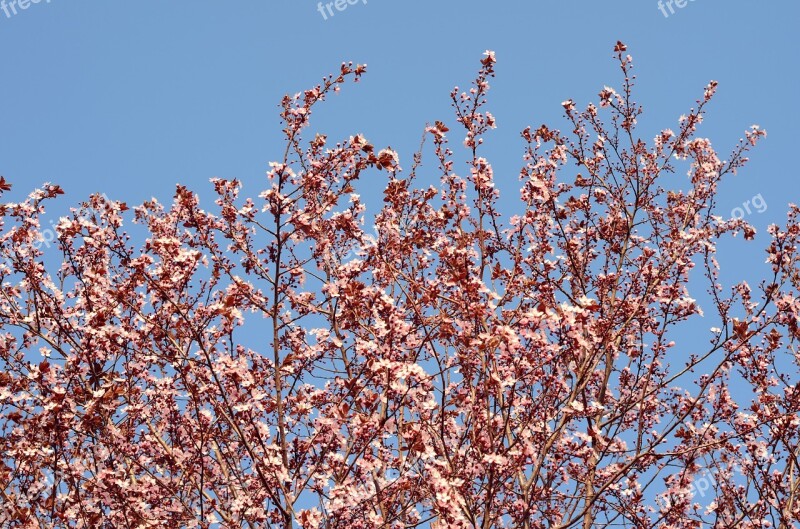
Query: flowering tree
{"points": [[271, 365]]}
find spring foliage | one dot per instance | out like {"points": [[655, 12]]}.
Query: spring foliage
{"points": [[460, 369]]}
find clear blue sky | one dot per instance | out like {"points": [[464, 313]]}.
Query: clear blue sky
{"points": [[130, 98]]}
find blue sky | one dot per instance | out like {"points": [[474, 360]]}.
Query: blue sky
{"points": [[130, 98]]}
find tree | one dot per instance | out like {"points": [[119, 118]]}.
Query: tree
{"points": [[272, 365]]}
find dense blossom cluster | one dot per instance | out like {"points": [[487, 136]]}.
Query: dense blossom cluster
{"points": [[461, 370]]}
